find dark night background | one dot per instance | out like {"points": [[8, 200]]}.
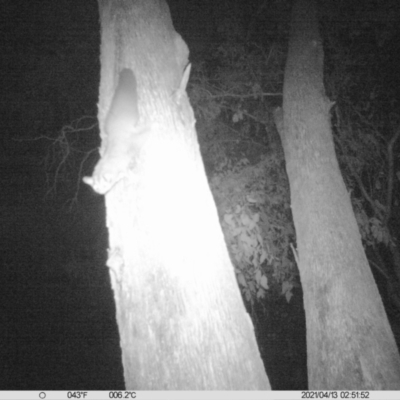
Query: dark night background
{"points": [[57, 322]]}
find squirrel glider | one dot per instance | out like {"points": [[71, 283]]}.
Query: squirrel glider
{"points": [[124, 137]]}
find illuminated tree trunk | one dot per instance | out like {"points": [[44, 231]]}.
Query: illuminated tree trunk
{"points": [[350, 344], [181, 318]]}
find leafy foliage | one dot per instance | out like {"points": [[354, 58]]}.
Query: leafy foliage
{"points": [[233, 104], [253, 203]]}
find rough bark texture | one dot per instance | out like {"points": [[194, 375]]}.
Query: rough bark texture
{"points": [[350, 343], [181, 318]]}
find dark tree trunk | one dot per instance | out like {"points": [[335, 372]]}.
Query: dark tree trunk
{"points": [[350, 344]]}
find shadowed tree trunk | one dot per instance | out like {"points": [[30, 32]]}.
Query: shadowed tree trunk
{"points": [[350, 344], [181, 318]]}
